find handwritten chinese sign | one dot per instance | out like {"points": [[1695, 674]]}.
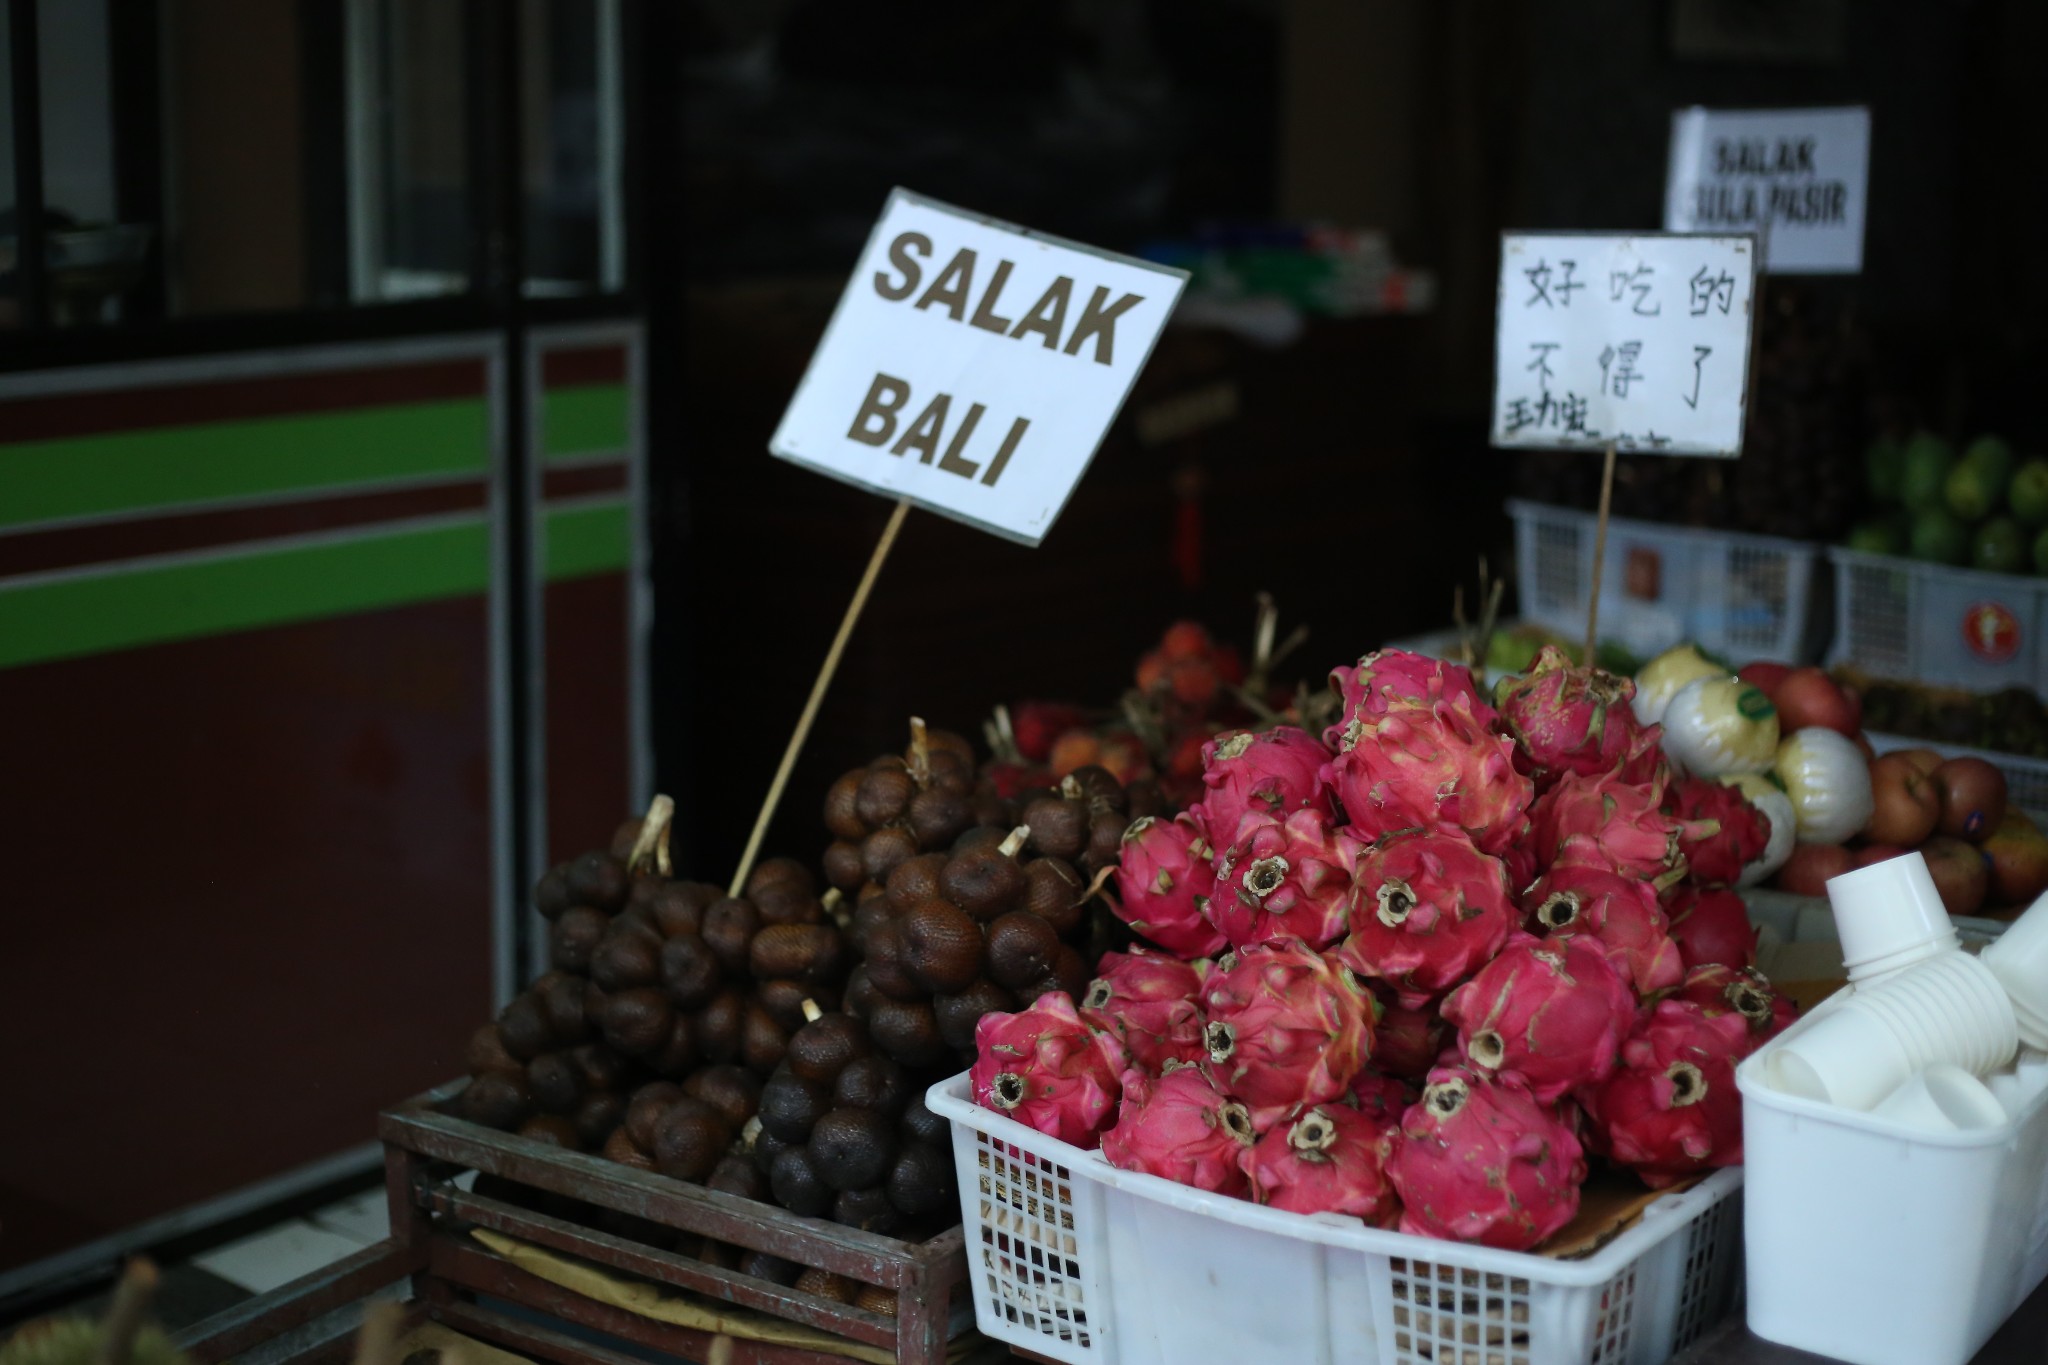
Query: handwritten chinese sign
{"points": [[1640, 341], [1795, 177], [972, 367]]}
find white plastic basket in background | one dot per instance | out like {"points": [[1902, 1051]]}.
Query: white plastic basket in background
{"points": [[2026, 779], [1744, 597], [1076, 1261], [1882, 1247], [1928, 623]]}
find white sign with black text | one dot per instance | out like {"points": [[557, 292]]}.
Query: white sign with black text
{"points": [[1795, 177], [1639, 340], [973, 367]]}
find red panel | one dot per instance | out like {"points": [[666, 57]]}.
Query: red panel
{"points": [[248, 905], [565, 366], [589, 773], [582, 480], [60, 547], [221, 400]]}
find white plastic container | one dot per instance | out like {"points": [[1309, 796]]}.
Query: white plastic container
{"points": [[1074, 1260], [1899, 618], [1882, 1247], [1742, 596]]}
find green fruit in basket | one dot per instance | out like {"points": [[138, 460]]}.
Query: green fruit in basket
{"points": [[1992, 455], [1925, 471], [1972, 491], [1880, 537], [1884, 468], [1939, 538], [2001, 546], [2028, 492]]}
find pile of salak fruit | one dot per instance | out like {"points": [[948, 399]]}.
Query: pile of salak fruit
{"points": [[1416, 969]]}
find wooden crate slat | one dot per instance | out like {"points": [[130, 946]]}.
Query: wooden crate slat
{"points": [[668, 1267], [748, 1223], [477, 1270]]}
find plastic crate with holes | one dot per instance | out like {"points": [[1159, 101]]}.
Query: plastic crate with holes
{"points": [[1076, 1261], [1742, 596], [1928, 623]]}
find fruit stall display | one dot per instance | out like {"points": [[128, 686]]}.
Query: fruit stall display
{"points": [[1793, 740], [1417, 968], [1400, 948]]}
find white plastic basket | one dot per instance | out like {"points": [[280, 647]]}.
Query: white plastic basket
{"points": [[1077, 1261], [1898, 618], [1745, 597], [2026, 779], [1880, 1248]]}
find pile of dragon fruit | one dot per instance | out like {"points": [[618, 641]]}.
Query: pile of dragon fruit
{"points": [[1416, 970]]}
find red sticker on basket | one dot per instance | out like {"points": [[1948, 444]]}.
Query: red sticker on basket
{"points": [[1991, 631]]}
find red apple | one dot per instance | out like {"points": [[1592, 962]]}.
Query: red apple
{"points": [[1764, 676], [1972, 797], [1906, 802], [1878, 853], [1808, 696], [1926, 760], [2018, 855], [1961, 873], [1807, 871]]}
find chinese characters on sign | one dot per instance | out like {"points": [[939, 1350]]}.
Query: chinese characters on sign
{"points": [[1637, 340]]}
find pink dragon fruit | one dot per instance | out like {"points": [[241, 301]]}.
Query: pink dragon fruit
{"points": [[1380, 1097], [1553, 1011], [1285, 1029], [1284, 880], [1621, 912], [1671, 1109], [1430, 910], [1604, 822], [1397, 680], [1567, 719], [1483, 1161], [1147, 1000], [1164, 882], [1047, 1068], [1710, 924], [1741, 831], [1180, 1127], [1434, 769], [1273, 773], [1720, 989], [1406, 1041], [1332, 1159]]}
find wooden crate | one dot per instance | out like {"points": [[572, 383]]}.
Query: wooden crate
{"points": [[426, 1147]]}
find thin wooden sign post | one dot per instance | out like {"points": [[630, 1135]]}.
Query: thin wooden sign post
{"points": [[817, 697], [1599, 556], [972, 368]]}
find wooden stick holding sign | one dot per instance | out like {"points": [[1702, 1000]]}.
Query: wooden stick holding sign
{"points": [[1599, 557], [972, 368], [823, 681], [1636, 342]]}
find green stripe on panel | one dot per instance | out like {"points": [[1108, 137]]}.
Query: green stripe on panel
{"points": [[132, 471], [143, 604], [596, 538], [586, 420]]}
